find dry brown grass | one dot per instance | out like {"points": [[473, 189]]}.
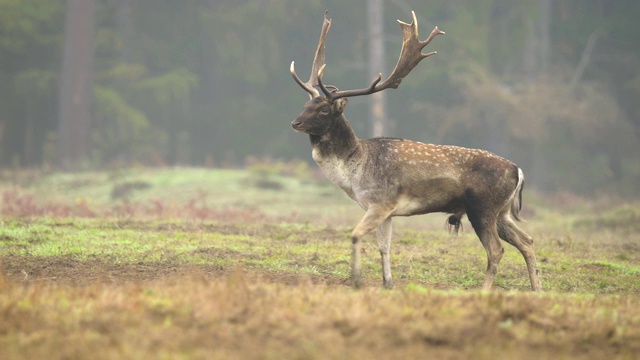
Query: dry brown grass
{"points": [[241, 316]]}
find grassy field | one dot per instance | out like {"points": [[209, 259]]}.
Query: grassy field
{"points": [[200, 263]]}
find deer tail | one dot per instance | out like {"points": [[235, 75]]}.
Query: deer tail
{"points": [[516, 201]]}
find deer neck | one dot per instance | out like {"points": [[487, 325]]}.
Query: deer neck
{"points": [[339, 142], [337, 153]]}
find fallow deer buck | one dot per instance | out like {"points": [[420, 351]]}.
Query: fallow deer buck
{"points": [[391, 177]]}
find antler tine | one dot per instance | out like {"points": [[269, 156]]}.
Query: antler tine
{"points": [[303, 85], [326, 91], [318, 62], [410, 55]]}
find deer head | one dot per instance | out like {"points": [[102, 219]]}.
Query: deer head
{"points": [[321, 111]]}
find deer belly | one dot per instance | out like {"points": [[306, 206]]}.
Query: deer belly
{"points": [[409, 205]]}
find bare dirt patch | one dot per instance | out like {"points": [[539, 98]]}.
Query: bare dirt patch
{"points": [[69, 271]]}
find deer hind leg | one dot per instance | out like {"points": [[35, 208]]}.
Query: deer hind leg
{"points": [[374, 217], [486, 229], [384, 241], [511, 233]]}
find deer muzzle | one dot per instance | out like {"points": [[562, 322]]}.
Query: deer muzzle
{"points": [[296, 124]]}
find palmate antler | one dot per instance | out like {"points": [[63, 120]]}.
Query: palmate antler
{"points": [[410, 55], [318, 62]]}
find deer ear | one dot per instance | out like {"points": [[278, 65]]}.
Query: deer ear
{"points": [[340, 104]]}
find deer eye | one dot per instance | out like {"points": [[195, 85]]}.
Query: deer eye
{"points": [[324, 110]]}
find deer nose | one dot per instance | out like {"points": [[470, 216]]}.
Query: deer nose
{"points": [[296, 124]]}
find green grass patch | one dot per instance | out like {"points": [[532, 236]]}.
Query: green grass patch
{"points": [[429, 257]]}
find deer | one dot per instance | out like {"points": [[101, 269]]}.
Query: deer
{"points": [[391, 177]]}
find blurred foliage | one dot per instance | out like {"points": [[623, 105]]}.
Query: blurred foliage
{"points": [[119, 126], [267, 167], [624, 218], [207, 82]]}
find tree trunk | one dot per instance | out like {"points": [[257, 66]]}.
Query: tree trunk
{"points": [[124, 24], [536, 60], [537, 49], [76, 84], [376, 65]]}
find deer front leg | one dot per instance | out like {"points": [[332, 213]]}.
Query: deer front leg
{"points": [[374, 217], [384, 240]]}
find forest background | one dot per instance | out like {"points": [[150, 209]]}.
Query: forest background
{"points": [[552, 85]]}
